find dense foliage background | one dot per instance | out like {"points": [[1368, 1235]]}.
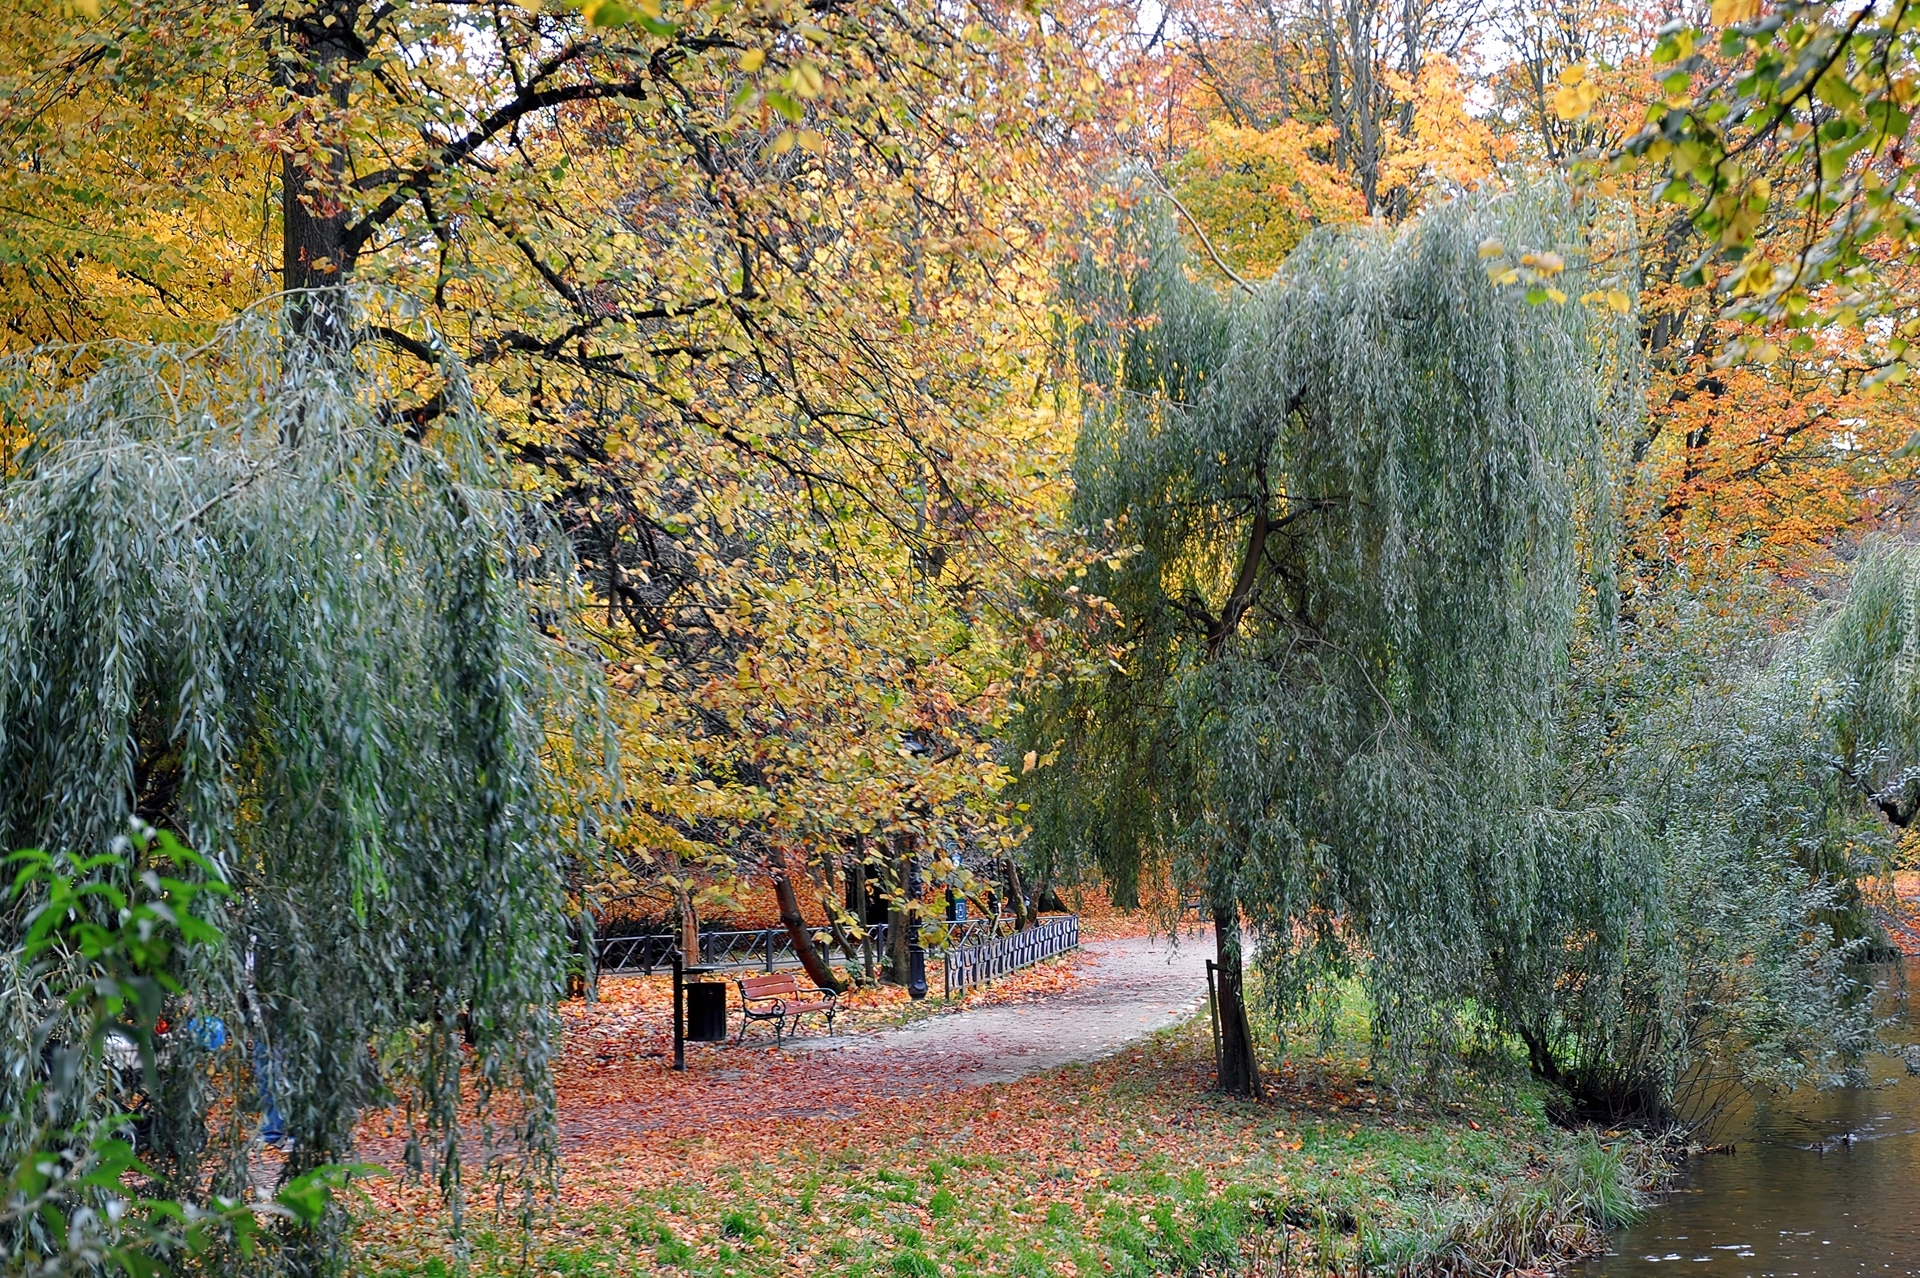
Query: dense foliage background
{"points": [[1427, 481]]}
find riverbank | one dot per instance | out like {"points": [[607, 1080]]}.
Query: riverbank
{"points": [[1128, 1166]]}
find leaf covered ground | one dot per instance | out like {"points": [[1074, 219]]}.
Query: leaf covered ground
{"points": [[764, 1162]]}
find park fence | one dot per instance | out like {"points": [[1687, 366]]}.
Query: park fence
{"points": [[764, 948], [977, 964], [768, 948]]}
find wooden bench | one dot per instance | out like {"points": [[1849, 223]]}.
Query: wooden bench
{"points": [[780, 997]]}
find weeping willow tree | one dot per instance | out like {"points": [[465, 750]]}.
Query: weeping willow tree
{"points": [[1346, 518], [1870, 647], [239, 601]]}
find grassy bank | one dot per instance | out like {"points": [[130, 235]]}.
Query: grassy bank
{"points": [[1129, 1167]]}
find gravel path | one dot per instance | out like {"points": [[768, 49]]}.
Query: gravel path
{"points": [[1132, 987]]}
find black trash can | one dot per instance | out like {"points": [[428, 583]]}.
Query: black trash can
{"points": [[706, 1012]]}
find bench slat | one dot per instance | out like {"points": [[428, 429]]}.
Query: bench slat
{"points": [[768, 986]]}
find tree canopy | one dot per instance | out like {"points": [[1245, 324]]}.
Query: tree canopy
{"points": [[1356, 498]]}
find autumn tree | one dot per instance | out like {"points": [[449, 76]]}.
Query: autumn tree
{"points": [[1803, 110], [753, 295], [1375, 85], [1254, 194], [1770, 446], [1766, 153]]}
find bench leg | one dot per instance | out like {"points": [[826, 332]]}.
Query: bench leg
{"points": [[747, 1018]]}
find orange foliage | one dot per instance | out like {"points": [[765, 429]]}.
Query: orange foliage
{"points": [[1772, 451], [1780, 467]]}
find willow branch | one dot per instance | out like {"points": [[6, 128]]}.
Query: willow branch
{"points": [[1198, 230]]}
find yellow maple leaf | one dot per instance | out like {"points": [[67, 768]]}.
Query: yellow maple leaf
{"points": [[1573, 101], [1728, 12]]}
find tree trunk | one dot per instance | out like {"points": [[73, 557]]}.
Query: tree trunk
{"points": [[1540, 1060], [590, 956], [897, 908], [1239, 1067], [860, 896], [1023, 916], [827, 877], [318, 248], [682, 889], [796, 925], [689, 926]]}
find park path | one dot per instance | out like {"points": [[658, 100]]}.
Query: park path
{"points": [[615, 1087], [1129, 988]]}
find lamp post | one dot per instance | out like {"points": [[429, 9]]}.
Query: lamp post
{"points": [[916, 953], [679, 1011]]}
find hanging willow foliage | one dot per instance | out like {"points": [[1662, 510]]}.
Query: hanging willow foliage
{"points": [[238, 602], [1347, 515], [1367, 660], [1742, 969]]}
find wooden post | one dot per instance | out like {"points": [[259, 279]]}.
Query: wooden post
{"points": [[1213, 1012]]}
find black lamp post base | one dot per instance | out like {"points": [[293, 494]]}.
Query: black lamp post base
{"points": [[916, 973]]}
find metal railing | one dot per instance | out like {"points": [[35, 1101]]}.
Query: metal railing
{"points": [[974, 964], [938, 937], [764, 948], [768, 948]]}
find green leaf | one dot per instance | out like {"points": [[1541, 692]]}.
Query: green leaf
{"points": [[788, 107], [1834, 90]]}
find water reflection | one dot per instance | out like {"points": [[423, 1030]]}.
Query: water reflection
{"points": [[1821, 1183]]}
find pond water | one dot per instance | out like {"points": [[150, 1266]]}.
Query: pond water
{"points": [[1820, 1184]]}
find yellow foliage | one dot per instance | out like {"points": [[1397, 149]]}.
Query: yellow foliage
{"points": [[1449, 146], [1575, 97], [1258, 191], [128, 213], [771, 356]]}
